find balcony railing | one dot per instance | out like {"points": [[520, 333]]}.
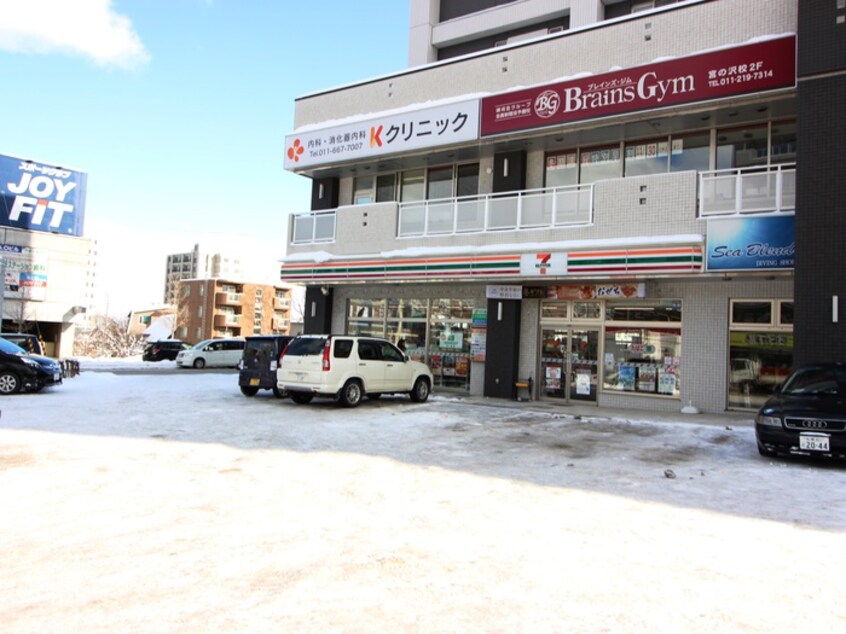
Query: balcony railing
{"points": [[314, 227], [748, 190], [529, 209]]}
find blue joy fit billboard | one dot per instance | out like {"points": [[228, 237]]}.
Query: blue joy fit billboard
{"points": [[751, 244], [41, 197]]}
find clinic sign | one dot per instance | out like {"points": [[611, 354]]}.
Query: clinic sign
{"points": [[413, 130], [40, 197], [751, 244], [25, 272], [766, 65]]}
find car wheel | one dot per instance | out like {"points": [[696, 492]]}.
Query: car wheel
{"points": [[248, 390], [374, 396], [351, 393], [279, 393], [199, 363], [420, 391], [301, 397], [9, 383]]}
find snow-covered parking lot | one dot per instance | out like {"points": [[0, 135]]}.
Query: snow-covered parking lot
{"points": [[166, 502]]}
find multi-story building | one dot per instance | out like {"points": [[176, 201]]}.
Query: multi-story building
{"points": [[605, 197], [48, 265], [209, 308], [197, 264]]}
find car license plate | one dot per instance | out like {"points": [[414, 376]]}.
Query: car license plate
{"points": [[56, 376], [254, 381], [813, 442]]}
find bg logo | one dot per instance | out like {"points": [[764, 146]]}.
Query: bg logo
{"points": [[547, 104]]}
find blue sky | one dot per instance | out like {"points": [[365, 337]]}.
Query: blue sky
{"points": [[177, 110]]}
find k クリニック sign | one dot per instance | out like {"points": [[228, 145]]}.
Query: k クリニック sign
{"points": [[766, 65], [41, 197]]}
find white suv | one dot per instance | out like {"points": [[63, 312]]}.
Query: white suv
{"points": [[349, 367]]}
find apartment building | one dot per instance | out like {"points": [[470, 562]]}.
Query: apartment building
{"points": [[606, 197], [198, 264], [211, 308]]}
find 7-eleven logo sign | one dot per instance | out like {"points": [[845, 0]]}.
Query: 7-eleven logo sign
{"points": [[545, 263]]}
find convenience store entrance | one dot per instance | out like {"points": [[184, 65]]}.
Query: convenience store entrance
{"points": [[569, 363]]}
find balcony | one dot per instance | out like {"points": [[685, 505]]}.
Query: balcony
{"points": [[226, 320], [750, 190], [280, 303], [227, 299], [529, 209], [280, 324]]}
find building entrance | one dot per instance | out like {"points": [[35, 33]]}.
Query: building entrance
{"points": [[569, 363]]}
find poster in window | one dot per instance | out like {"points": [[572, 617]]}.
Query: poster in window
{"points": [[646, 377], [552, 377], [666, 382], [462, 365], [627, 377], [583, 383]]}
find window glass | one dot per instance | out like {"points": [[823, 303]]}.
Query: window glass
{"points": [[562, 169], [743, 147], [363, 190], [412, 186], [690, 153], [600, 164], [554, 310], [413, 308], [367, 308], [752, 312], [643, 360], [587, 310], [389, 353], [644, 310], [785, 313], [647, 157], [758, 362], [385, 188], [783, 143], [440, 183], [343, 348], [468, 180]]}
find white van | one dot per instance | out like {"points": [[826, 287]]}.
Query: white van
{"points": [[211, 353], [348, 367]]}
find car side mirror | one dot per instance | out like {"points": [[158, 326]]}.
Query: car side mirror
{"points": [[405, 357]]}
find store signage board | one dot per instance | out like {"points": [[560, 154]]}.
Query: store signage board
{"points": [[370, 138], [540, 264], [751, 244], [25, 272], [504, 292], [41, 197], [761, 66]]}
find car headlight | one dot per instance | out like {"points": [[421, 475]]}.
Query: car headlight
{"points": [[768, 421], [30, 362]]}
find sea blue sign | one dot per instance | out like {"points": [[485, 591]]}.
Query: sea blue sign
{"points": [[41, 197], [745, 244]]}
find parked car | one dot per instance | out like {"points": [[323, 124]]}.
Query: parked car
{"points": [[259, 362], [807, 414], [164, 349], [30, 343], [349, 367], [225, 353], [24, 372]]}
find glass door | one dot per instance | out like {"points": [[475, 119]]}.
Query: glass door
{"points": [[569, 363]]}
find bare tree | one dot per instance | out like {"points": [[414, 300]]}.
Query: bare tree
{"points": [[108, 337]]}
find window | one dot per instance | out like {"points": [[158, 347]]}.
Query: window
{"points": [[644, 310], [690, 153], [440, 183], [750, 312], [413, 185], [562, 169], [647, 157], [385, 188], [199, 311], [742, 147], [643, 360], [600, 164], [363, 190]]}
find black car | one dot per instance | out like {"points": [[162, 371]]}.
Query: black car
{"points": [[30, 343], [164, 349], [24, 372], [807, 414], [258, 364]]}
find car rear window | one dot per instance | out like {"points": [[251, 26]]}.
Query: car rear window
{"points": [[306, 347]]}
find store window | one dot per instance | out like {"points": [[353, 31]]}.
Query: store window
{"points": [[690, 153], [760, 349], [600, 164], [644, 358], [647, 157], [450, 325], [366, 317], [406, 326], [742, 147]]}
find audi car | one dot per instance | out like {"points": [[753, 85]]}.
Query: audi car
{"points": [[806, 415]]}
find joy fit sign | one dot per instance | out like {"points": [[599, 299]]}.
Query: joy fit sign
{"points": [[42, 198]]}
